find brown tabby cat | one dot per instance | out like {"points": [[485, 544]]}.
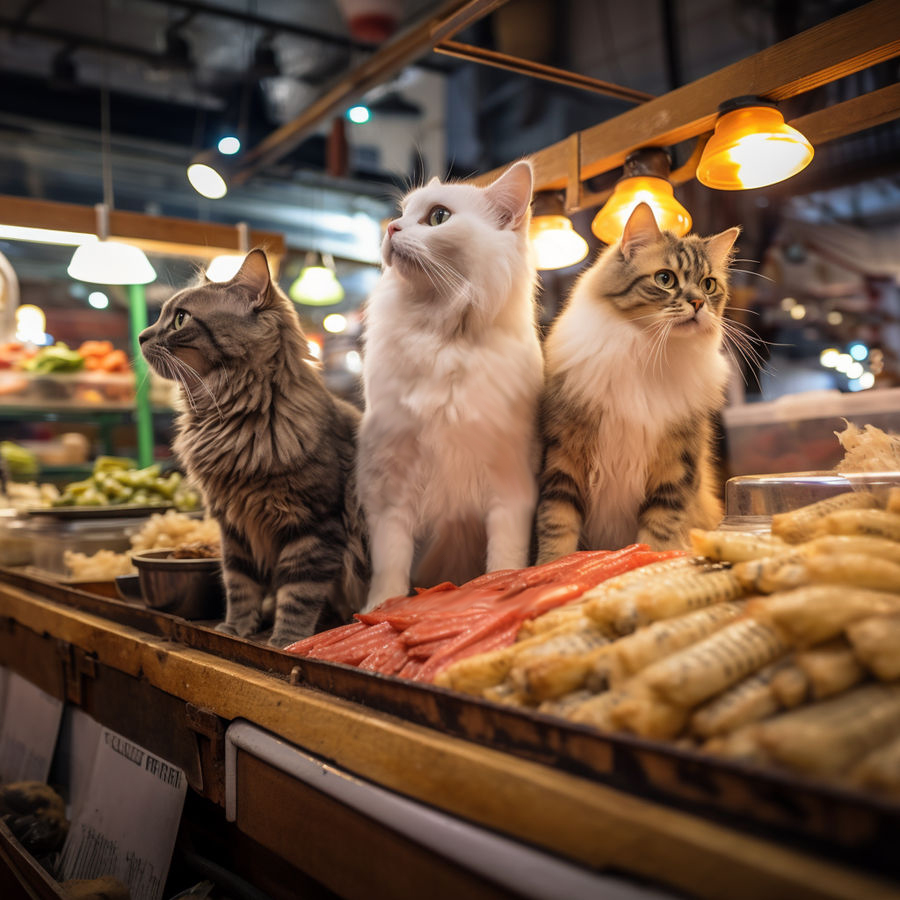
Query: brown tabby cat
{"points": [[272, 450], [634, 372]]}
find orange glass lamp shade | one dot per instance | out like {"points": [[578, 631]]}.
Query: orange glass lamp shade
{"points": [[645, 179], [752, 146], [556, 243]]}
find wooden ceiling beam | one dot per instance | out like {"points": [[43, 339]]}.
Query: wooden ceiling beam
{"points": [[839, 47], [153, 234]]}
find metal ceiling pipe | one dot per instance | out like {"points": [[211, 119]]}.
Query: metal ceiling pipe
{"points": [[400, 51]]}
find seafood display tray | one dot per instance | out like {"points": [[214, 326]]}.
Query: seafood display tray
{"points": [[856, 828]]}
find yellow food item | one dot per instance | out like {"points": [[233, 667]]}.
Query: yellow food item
{"points": [[819, 612], [802, 524], [879, 523], [735, 546], [876, 644], [701, 671], [827, 738]]}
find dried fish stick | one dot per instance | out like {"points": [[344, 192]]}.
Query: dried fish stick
{"points": [[701, 671], [546, 670], [880, 769], [687, 591], [543, 678], [550, 621], [748, 701], [652, 643], [819, 612], [871, 522], [611, 600], [742, 743], [792, 570], [801, 524], [827, 738], [473, 674], [565, 705], [830, 668], [790, 686], [644, 712], [504, 693], [876, 644], [854, 543], [772, 573], [596, 710], [893, 500], [734, 546]]}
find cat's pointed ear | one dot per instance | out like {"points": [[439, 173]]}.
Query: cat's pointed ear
{"points": [[254, 274], [720, 246], [433, 180], [510, 194], [640, 229]]}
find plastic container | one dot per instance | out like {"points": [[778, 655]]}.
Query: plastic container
{"points": [[51, 538], [752, 500], [796, 433], [15, 541]]}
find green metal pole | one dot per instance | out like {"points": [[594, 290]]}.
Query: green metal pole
{"points": [[137, 303]]}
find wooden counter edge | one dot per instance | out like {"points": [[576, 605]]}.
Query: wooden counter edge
{"points": [[573, 817]]}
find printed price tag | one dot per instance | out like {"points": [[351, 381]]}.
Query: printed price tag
{"points": [[127, 818], [28, 729]]}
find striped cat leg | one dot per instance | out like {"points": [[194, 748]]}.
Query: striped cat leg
{"points": [[561, 506], [306, 579], [243, 591], [672, 485]]}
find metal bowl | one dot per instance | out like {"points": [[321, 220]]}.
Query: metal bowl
{"points": [[191, 588]]}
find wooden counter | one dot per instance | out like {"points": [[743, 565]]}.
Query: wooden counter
{"points": [[179, 702]]}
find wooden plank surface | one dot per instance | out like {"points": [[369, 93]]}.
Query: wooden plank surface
{"points": [[573, 817], [154, 234]]}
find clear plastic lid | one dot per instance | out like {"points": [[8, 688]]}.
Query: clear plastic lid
{"points": [[751, 500]]}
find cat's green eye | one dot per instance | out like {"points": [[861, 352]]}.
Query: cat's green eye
{"points": [[708, 285], [665, 278], [181, 319], [438, 215]]}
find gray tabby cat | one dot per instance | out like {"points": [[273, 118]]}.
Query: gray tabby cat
{"points": [[635, 371], [272, 450]]}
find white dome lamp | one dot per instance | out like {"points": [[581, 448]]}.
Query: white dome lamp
{"points": [[109, 262]]}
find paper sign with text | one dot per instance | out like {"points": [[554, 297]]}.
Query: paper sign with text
{"points": [[127, 820], [28, 729]]}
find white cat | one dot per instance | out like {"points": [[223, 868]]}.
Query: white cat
{"points": [[448, 448]]}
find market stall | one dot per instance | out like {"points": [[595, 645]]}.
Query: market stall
{"points": [[347, 771]]}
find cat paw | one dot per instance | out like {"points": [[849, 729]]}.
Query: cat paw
{"points": [[226, 628]]}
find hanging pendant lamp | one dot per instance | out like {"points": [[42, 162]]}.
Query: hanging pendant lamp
{"points": [[752, 146], [317, 284], [556, 243], [645, 179]]}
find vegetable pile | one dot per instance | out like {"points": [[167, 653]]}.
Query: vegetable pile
{"points": [[416, 637], [115, 481], [60, 359]]}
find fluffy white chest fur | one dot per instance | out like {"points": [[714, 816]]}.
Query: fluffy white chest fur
{"points": [[639, 390], [447, 414]]}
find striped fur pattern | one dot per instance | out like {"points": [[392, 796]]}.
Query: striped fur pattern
{"points": [[634, 372], [272, 450], [452, 372]]}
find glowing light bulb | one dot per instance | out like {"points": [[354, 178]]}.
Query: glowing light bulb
{"points": [[556, 243], [752, 147]]}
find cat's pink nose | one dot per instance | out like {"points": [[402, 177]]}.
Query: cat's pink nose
{"points": [[392, 227], [696, 302]]}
